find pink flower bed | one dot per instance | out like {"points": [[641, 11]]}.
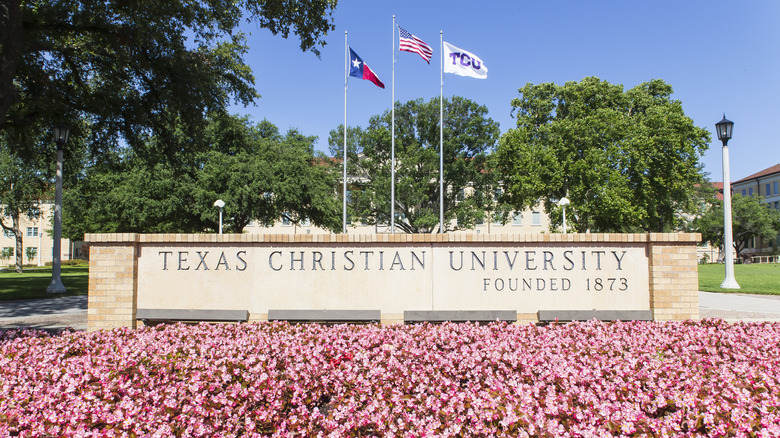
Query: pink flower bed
{"points": [[705, 378]]}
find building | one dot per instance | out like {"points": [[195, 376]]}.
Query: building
{"points": [[37, 241], [766, 185]]}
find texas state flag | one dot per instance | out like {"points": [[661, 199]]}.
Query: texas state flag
{"points": [[359, 69]]}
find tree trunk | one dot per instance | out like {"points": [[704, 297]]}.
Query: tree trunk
{"points": [[18, 236], [10, 53]]}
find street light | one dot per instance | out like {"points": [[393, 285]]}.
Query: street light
{"points": [[724, 129], [219, 203], [563, 203], [56, 286]]}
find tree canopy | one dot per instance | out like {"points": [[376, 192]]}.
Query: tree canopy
{"points": [[25, 175], [750, 219], [469, 135], [628, 160], [21, 188], [133, 68], [260, 174]]}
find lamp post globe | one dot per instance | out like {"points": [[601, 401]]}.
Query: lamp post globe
{"points": [[563, 202], [56, 287], [725, 129], [220, 204]]}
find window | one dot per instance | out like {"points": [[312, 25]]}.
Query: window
{"points": [[498, 218], [8, 233], [536, 218], [32, 231], [750, 191], [774, 186], [744, 192], [286, 220], [517, 219], [305, 222], [461, 195], [767, 192]]}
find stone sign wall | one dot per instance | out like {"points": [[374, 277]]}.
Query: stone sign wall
{"points": [[391, 273]]}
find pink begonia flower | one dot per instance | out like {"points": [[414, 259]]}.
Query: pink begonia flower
{"points": [[707, 378]]}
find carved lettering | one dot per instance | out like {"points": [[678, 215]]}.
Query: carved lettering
{"points": [[240, 259], [452, 265], [165, 259], [352, 264], [548, 260], [183, 261], [271, 260], [222, 262], [202, 257], [619, 259], [316, 260]]}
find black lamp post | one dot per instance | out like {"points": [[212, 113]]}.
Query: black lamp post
{"points": [[56, 286], [724, 129]]}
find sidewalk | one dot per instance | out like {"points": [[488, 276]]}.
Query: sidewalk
{"points": [[54, 314], [50, 314], [739, 307]]}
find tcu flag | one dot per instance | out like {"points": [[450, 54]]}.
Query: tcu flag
{"points": [[463, 63]]}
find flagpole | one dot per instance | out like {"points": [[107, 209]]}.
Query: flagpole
{"points": [[346, 76], [441, 135], [392, 142]]}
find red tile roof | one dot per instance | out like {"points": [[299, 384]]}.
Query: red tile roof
{"points": [[719, 187], [768, 171]]}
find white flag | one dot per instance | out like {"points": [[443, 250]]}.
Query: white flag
{"points": [[463, 63]]}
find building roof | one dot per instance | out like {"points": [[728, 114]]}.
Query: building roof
{"points": [[766, 172], [719, 187]]}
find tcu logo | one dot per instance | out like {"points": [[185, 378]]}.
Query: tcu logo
{"points": [[465, 60]]}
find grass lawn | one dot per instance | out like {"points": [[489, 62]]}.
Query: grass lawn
{"points": [[32, 283], [757, 278]]}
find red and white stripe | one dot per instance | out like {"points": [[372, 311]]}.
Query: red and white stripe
{"points": [[410, 43]]}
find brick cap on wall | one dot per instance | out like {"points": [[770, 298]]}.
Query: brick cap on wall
{"points": [[103, 238]]}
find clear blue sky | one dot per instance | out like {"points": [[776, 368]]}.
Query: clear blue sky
{"points": [[719, 56]]}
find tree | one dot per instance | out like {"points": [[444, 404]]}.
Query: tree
{"points": [[257, 172], [27, 166], [23, 184], [134, 68], [131, 70], [130, 196], [627, 160], [262, 175], [750, 219], [468, 137]]}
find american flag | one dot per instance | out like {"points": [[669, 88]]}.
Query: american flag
{"points": [[410, 43]]}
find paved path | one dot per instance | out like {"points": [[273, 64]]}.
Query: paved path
{"points": [[48, 314], [739, 307], [60, 312]]}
